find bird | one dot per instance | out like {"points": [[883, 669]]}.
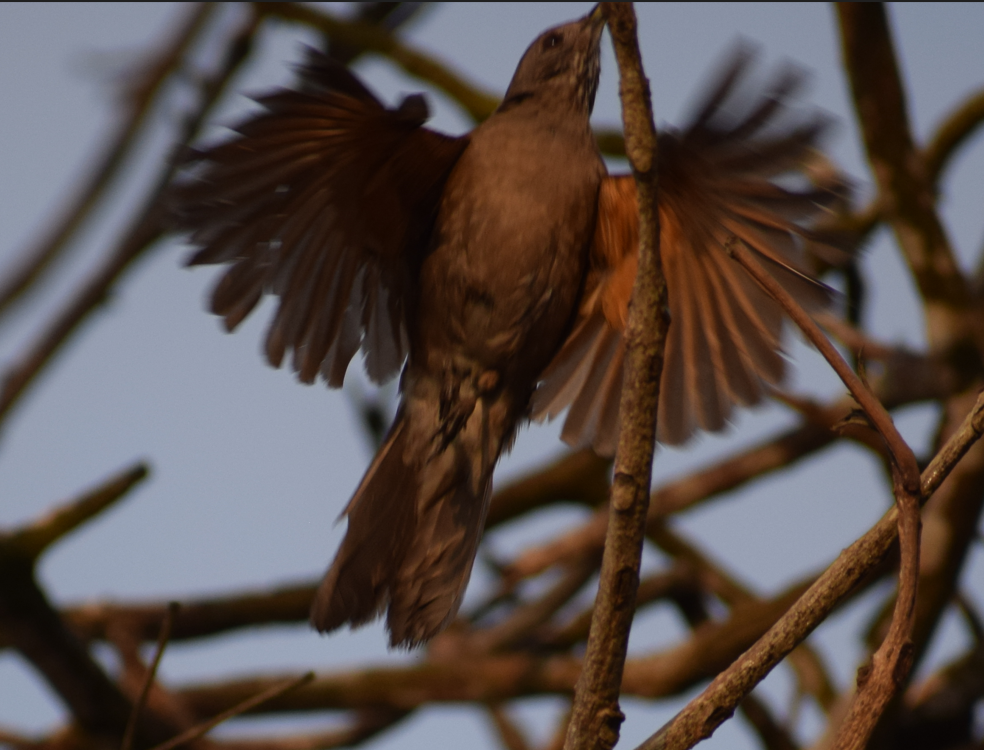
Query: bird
{"points": [[493, 272]]}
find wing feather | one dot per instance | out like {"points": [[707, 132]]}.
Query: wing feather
{"points": [[716, 183], [325, 199]]}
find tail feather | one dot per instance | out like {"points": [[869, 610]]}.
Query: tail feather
{"points": [[431, 579], [380, 523], [414, 527]]}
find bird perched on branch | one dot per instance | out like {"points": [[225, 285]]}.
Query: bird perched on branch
{"points": [[495, 268]]}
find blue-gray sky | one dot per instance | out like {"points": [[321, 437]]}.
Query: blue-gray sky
{"points": [[251, 469]]}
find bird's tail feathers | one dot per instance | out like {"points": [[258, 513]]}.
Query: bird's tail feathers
{"points": [[414, 525]]}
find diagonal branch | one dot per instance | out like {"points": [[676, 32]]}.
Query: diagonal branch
{"points": [[891, 662], [955, 130], [147, 226], [137, 104], [32, 540], [905, 189], [477, 103], [701, 716], [271, 693]]}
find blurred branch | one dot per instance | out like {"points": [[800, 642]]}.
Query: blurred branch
{"points": [[365, 725], [162, 639], [491, 678], [525, 618], [389, 16], [514, 675], [941, 709], [18, 741], [477, 103], [27, 620], [199, 618], [30, 624], [147, 226], [905, 191], [773, 735], [957, 127], [137, 101], [679, 579], [271, 693], [596, 716], [363, 36], [512, 738], [578, 477], [32, 540]]}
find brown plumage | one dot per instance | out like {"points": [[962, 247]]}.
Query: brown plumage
{"points": [[498, 266]]}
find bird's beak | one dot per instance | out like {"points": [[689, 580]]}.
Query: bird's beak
{"points": [[596, 17], [595, 21]]}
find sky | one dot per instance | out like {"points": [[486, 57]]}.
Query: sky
{"points": [[251, 469]]}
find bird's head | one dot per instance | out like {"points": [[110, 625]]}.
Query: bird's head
{"points": [[563, 62]]}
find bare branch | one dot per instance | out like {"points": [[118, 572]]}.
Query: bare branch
{"points": [[957, 127], [249, 704], [706, 712], [137, 101], [477, 103], [131, 725], [32, 540], [905, 190], [147, 226], [512, 738], [596, 717]]}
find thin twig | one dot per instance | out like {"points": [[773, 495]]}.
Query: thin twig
{"points": [[891, 663], [138, 101], [200, 730], [596, 717], [147, 226], [902, 454], [162, 640]]}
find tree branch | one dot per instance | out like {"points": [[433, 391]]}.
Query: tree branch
{"points": [[147, 226], [701, 716], [32, 540], [596, 717], [138, 99]]}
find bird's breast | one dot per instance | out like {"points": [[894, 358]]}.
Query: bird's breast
{"points": [[509, 252]]}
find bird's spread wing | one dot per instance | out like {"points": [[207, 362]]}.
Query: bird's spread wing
{"points": [[326, 199], [716, 182]]}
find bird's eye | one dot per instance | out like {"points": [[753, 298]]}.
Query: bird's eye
{"points": [[552, 40]]}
